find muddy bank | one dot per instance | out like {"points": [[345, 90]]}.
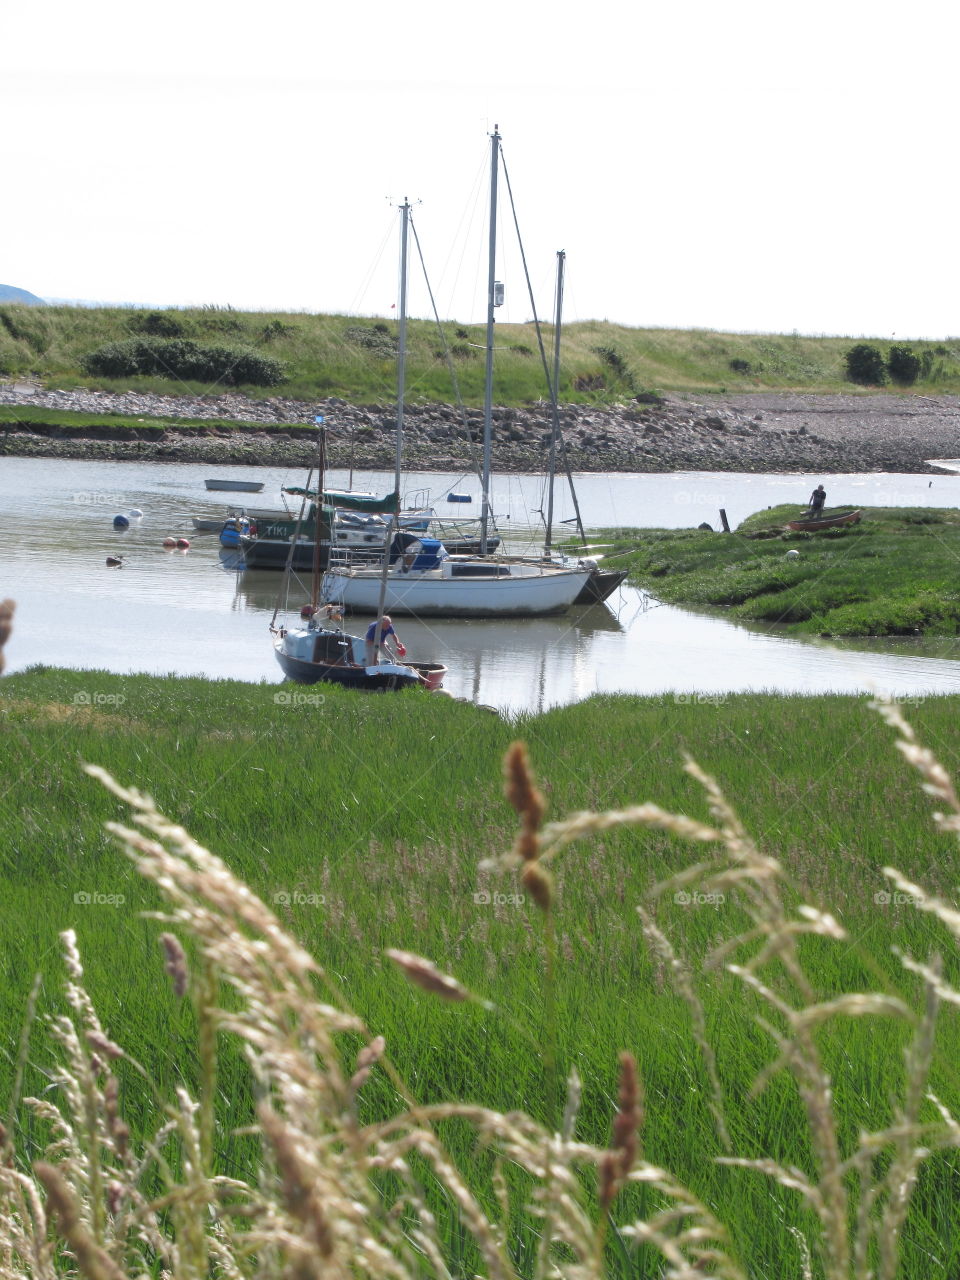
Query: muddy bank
{"points": [[758, 432]]}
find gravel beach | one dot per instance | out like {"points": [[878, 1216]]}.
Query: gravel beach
{"points": [[753, 432]]}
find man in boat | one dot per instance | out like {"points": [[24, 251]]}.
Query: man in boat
{"points": [[370, 639], [817, 499]]}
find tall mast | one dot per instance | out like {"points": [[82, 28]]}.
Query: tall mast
{"points": [[488, 380], [318, 512], [401, 375], [554, 401], [402, 340]]}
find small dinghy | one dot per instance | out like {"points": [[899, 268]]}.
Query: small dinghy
{"points": [[235, 486], [825, 522]]}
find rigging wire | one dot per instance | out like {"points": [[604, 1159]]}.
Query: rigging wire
{"points": [[448, 357], [371, 270], [554, 404], [464, 237]]}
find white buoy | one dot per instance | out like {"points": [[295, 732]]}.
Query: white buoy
{"points": [[135, 513], [792, 555]]}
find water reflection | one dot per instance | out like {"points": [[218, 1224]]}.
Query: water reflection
{"points": [[193, 612]]}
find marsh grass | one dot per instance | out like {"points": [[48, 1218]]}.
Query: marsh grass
{"points": [[357, 1174], [325, 355], [894, 574], [389, 823]]}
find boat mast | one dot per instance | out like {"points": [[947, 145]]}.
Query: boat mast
{"points": [[554, 401], [488, 380], [394, 523], [318, 514]]}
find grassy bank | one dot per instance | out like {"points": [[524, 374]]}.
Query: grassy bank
{"points": [[362, 823], [893, 574], [81, 425], [354, 357]]}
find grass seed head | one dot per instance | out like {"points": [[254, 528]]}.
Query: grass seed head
{"points": [[539, 884], [618, 1161], [525, 798], [424, 973], [175, 963]]}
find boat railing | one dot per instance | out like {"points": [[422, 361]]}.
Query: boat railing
{"points": [[415, 500], [345, 557]]}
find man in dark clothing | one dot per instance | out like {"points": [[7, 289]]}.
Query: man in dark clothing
{"points": [[817, 499]]}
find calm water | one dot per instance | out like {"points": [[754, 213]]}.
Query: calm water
{"points": [[193, 613]]}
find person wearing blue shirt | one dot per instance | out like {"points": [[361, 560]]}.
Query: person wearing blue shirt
{"points": [[386, 629]]}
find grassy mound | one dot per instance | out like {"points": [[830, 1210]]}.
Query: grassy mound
{"points": [[355, 357], [894, 574]]}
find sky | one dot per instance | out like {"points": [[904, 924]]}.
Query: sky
{"points": [[745, 167]]}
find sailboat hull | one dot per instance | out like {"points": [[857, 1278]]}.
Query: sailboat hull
{"points": [[601, 584], [495, 590], [387, 676]]}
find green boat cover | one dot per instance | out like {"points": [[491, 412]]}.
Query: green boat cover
{"points": [[351, 502]]}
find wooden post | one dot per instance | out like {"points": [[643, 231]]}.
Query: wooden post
{"points": [[723, 520]]}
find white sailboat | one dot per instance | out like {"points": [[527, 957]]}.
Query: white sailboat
{"points": [[458, 586]]}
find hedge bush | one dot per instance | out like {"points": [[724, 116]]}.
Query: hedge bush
{"points": [[903, 365], [182, 358], [865, 365]]}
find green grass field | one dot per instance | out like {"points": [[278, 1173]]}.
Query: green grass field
{"points": [[893, 574], [362, 821], [355, 357]]}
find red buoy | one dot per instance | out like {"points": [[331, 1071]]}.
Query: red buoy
{"points": [[183, 543]]}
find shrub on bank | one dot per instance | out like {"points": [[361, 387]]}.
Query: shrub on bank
{"points": [[904, 366], [865, 365], [183, 359]]}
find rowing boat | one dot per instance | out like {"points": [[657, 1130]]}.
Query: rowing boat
{"points": [[826, 522]]}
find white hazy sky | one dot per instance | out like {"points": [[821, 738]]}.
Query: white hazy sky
{"points": [[740, 166]]}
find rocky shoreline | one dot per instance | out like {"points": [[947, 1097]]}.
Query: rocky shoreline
{"points": [[753, 432]]}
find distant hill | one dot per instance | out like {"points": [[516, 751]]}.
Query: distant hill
{"points": [[9, 294]]}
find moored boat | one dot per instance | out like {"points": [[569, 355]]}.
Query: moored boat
{"points": [[600, 585], [235, 486], [459, 587], [825, 522], [312, 654]]}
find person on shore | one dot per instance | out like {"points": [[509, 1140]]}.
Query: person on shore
{"points": [[817, 499], [386, 629]]}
